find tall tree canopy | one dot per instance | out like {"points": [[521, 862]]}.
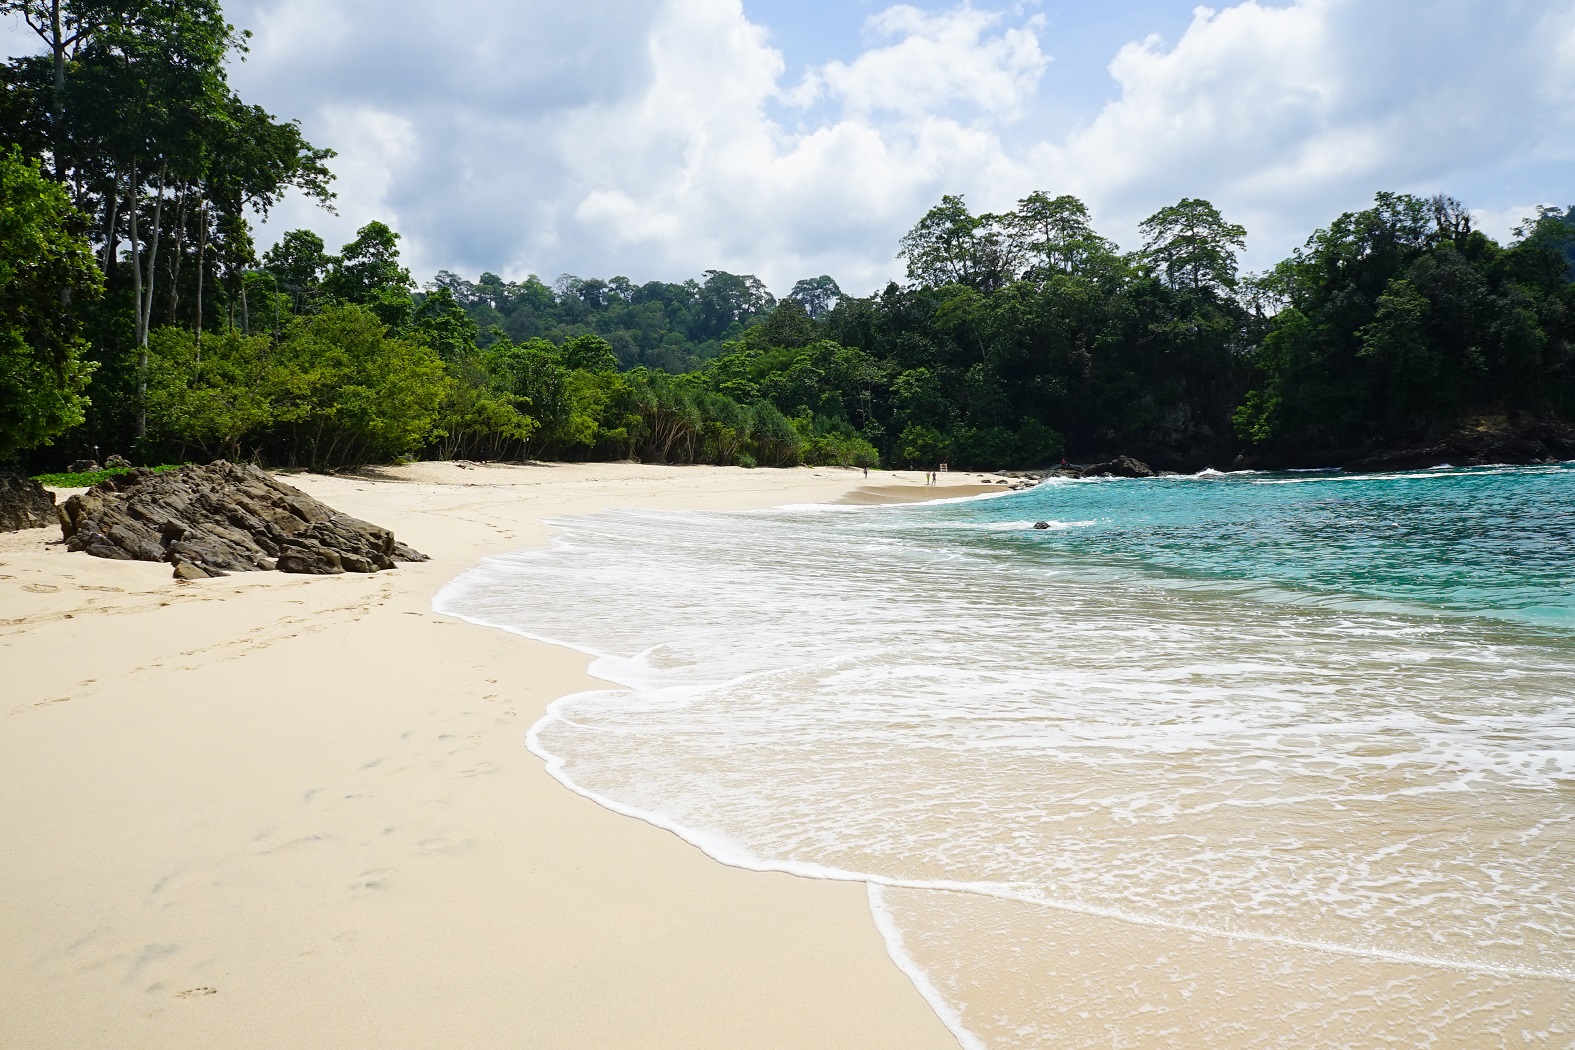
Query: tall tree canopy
{"points": [[45, 265]]}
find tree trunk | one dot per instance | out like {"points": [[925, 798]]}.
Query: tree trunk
{"points": [[134, 194], [202, 266], [153, 255], [57, 106], [178, 256], [111, 213]]}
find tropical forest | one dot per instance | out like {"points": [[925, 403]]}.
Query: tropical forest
{"points": [[140, 317]]}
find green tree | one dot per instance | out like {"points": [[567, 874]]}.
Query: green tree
{"points": [[588, 353], [367, 272], [298, 263], [45, 262], [951, 245], [923, 446], [1057, 234], [817, 295], [1193, 246], [208, 399], [346, 392], [445, 324]]}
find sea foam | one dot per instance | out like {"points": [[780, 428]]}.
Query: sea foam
{"points": [[992, 725]]}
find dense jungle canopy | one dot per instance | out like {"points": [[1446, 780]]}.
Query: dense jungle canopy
{"points": [[137, 316]]}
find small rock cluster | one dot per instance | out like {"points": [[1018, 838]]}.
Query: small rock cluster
{"points": [[90, 466], [221, 518], [24, 503], [1120, 467]]}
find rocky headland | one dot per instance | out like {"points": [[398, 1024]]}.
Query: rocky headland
{"points": [[220, 518]]}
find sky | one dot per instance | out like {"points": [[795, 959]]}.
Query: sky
{"points": [[789, 138]]}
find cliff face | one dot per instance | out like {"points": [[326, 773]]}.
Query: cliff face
{"points": [[1479, 441]]}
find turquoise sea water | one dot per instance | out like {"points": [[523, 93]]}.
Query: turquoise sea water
{"points": [[1490, 541], [1254, 760]]}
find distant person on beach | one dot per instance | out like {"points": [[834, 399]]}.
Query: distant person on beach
{"points": [[866, 473]]}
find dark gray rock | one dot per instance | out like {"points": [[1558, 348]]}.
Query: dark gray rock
{"points": [[211, 520], [24, 503], [1477, 443], [405, 552], [1120, 467], [115, 461], [84, 466], [1041, 524]]}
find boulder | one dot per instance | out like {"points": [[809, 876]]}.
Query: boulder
{"points": [[24, 503], [115, 461], [211, 520], [83, 466], [1120, 467], [1041, 524]]}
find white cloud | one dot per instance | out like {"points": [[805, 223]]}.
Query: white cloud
{"points": [[928, 63], [1501, 223], [694, 172], [1286, 115], [658, 139]]}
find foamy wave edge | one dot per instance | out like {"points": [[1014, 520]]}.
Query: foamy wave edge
{"points": [[728, 852]]}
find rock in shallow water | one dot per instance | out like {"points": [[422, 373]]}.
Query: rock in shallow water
{"points": [[211, 520], [1120, 467], [24, 503]]}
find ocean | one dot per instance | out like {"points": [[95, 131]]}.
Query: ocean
{"points": [[1244, 760]]}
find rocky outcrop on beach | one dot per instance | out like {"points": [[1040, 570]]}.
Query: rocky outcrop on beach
{"points": [[1477, 442], [1120, 467], [24, 503], [221, 518]]}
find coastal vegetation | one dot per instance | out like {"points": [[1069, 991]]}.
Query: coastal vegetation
{"points": [[137, 315]]}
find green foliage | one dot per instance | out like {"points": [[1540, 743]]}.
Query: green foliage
{"points": [[481, 416], [205, 398], [923, 446], [1402, 318], [667, 326], [1193, 246], [951, 245], [1032, 444], [367, 273], [1256, 419], [817, 296], [45, 262], [337, 389], [297, 264], [1019, 337], [1057, 235], [590, 353], [346, 392], [87, 479], [840, 450], [448, 329]]}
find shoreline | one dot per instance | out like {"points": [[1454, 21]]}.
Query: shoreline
{"points": [[269, 810]]}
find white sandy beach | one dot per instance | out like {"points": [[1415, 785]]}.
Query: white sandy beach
{"points": [[284, 811]]}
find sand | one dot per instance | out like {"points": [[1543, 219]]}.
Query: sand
{"points": [[276, 811]]}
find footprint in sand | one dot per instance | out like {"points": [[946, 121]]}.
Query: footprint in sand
{"points": [[196, 993], [40, 588], [371, 880]]}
